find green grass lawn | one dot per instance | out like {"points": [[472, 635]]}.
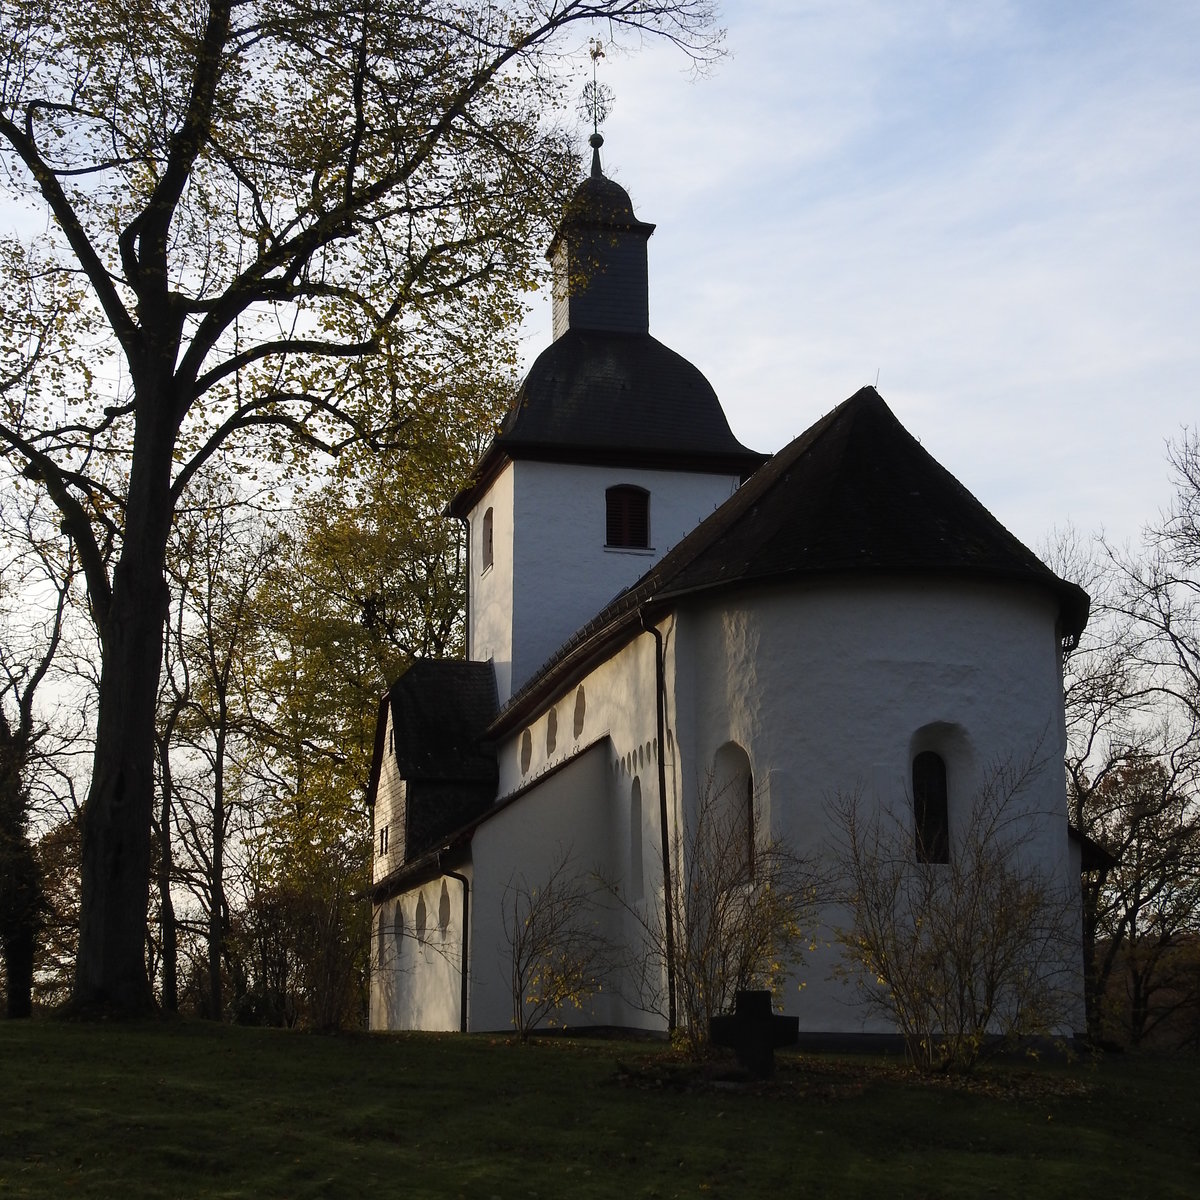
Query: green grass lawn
{"points": [[179, 1109]]}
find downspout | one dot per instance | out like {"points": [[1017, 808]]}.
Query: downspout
{"points": [[466, 930], [664, 822]]}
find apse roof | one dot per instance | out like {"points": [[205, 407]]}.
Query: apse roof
{"points": [[855, 494]]}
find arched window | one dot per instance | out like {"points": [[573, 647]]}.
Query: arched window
{"points": [[627, 517], [637, 885], [733, 805], [487, 553], [930, 808]]}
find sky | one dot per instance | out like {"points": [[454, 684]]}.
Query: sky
{"points": [[992, 209]]}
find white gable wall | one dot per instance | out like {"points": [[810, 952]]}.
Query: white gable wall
{"points": [[388, 812]]}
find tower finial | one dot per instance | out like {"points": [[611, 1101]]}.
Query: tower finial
{"points": [[596, 103]]}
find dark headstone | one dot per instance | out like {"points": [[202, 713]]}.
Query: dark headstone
{"points": [[753, 1032]]}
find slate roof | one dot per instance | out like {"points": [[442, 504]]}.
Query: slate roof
{"points": [[620, 395], [599, 203], [440, 710], [854, 495], [614, 399]]}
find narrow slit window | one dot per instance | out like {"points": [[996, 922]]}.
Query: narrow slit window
{"points": [[627, 524], [931, 808]]}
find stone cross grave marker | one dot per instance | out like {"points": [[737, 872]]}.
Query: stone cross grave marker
{"points": [[753, 1031]]}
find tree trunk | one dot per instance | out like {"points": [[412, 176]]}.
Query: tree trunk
{"points": [[218, 915], [21, 905], [21, 897], [168, 929], [110, 971]]}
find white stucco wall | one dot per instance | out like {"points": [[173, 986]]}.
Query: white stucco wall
{"points": [[561, 572], [828, 689], [833, 689], [585, 807], [489, 607], [567, 816], [416, 968]]}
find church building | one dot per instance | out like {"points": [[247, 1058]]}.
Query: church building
{"points": [[655, 610]]}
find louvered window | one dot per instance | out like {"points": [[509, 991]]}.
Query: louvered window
{"points": [[627, 517]]}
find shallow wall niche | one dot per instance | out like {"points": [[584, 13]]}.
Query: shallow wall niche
{"points": [[580, 711], [731, 797], [444, 910], [421, 918], [637, 872]]}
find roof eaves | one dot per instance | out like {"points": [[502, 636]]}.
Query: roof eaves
{"points": [[489, 467]]}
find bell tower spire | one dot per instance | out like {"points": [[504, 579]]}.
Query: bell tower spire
{"points": [[599, 251], [614, 448]]}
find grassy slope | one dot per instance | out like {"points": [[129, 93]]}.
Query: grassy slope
{"points": [[187, 1110]]}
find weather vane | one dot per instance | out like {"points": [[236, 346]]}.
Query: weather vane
{"points": [[597, 97]]}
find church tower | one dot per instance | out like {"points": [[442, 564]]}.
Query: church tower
{"points": [[615, 448]]}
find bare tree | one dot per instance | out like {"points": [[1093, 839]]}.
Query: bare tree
{"points": [[1146, 909], [1159, 591], [965, 955], [220, 557], [1133, 757]]}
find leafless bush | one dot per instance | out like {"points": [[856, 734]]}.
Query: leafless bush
{"points": [[559, 953], [962, 956], [741, 911]]}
